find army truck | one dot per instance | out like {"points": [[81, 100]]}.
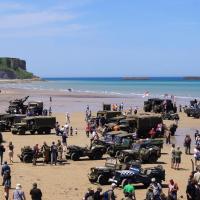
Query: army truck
{"points": [[35, 108], [141, 124], [39, 124], [107, 115], [17, 106], [158, 105]]}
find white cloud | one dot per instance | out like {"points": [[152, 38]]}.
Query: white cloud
{"points": [[27, 20], [43, 32], [24, 20]]}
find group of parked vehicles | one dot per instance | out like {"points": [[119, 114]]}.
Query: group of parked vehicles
{"points": [[21, 119]]}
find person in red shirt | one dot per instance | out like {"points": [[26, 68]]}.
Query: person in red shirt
{"points": [[152, 133]]}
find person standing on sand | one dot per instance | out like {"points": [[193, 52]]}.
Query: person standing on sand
{"points": [[167, 136], [157, 189], [172, 190], [46, 152], [10, 151], [2, 150], [18, 193], [187, 144], [60, 151], [35, 193], [173, 156], [67, 118], [54, 153], [178, 154]]}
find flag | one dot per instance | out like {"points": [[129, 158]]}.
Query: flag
{"points": [[146, 94]]}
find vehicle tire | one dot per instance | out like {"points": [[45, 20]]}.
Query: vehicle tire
{"points": [[110, 151], [117, 154], [97, 155], [40, 131], [14, 132], [188, 114], [32, 132], [47, 131], [153, 158], [102, 180], [27, 159], [127, 159], [22, 131], [75, 156], [124, 183]]}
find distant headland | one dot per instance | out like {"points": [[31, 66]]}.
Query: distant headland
{"points": [[136, 78], [192, 78], [14, 68]]}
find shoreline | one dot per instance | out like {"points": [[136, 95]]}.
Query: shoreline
{"points": [[21, 80]]}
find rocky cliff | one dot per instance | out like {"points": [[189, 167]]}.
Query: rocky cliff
{"points": [[14, 68]]}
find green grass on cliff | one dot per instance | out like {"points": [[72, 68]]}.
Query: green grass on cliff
{"points": [[20, 73]]}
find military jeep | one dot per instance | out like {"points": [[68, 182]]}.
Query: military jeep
{"points": [[121, 142], [39, 124], [27, 154], [8, 120], [145, 152], [136, 174], [94, 153], [102, 175]]}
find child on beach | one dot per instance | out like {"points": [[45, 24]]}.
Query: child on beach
{"points": [[76, 131]]}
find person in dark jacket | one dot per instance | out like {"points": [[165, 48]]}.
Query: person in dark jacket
{"points": [[2, 150], [35, 193]]}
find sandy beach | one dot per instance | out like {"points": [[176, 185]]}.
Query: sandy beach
{"points": [[69, 181]]}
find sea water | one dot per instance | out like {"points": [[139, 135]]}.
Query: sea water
{"points": [[153, 87]]}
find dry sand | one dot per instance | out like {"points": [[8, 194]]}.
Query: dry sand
{"points": [[69, 181]]}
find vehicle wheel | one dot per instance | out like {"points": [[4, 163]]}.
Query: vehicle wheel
{"points": [[75, 157], [127, 159], [27, 159], [153, 158], [22, 132], [97, 155], [32, 132], [188, 114], [117, 154], [40, 131], [14, 132], [110, 151], [102, 180], [47, 131], [124, 183]]}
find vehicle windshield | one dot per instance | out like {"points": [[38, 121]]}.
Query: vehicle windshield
{"points": [[136, 146]]}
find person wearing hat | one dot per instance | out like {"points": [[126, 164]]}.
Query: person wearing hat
{"points": [[157, 189], [35, 193], [18, 193], [149, 194]]}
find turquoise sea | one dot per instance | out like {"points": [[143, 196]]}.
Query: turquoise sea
{"points": [[155, 86]]}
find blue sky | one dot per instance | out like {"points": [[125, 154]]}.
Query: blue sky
{"points": [[64, 38]]}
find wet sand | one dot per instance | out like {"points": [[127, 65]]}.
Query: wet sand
{"points": [[69, 181]]}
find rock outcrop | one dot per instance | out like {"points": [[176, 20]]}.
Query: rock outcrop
{"points": [[14, 68]]}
